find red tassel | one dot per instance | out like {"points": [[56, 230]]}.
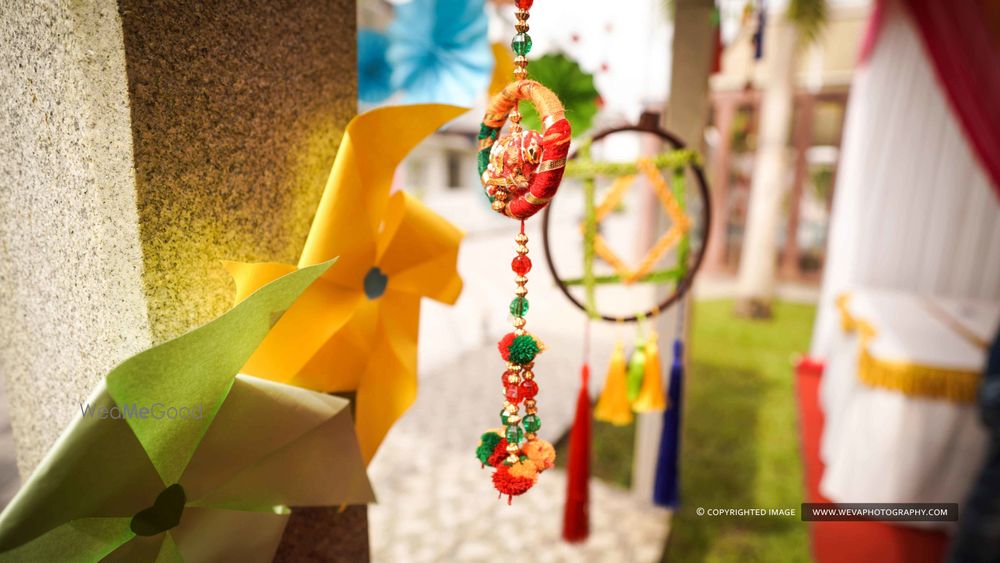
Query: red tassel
{"points": [[719, 49], [576, 518]]}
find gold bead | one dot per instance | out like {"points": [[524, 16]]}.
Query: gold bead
{"points": [[528, 374], [520, 280], [521, 26], [513, 419], [511, 409], [512, 448], [500, 195], [513, 367], [513, 378], [521, 238], [529, 403], [532, 410], [522, 15], [520, 73], [521, 61], [519, 332], [512, 458], [498, 205], [520, 291], [530, 436], [521, 249], [519, 322]]}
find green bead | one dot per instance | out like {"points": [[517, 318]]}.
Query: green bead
{"points": [[532, 423], [521, 44], [514, 434], [503, 417], [519, 307]]}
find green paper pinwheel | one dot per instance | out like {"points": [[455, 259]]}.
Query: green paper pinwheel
{"points": [[571, 83], [176, 457]]}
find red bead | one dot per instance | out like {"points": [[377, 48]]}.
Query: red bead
{"points": [[506, 374], [513, 394], [528, 389], [524, 4], [521, 265]]}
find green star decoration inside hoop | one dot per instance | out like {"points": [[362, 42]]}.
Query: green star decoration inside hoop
{"points": [[211, 483]]}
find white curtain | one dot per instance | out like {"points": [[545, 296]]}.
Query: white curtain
{"points": [[913, 210]]}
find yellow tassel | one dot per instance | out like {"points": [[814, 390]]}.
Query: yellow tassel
{"points": [[613, 404], [651, 395]]}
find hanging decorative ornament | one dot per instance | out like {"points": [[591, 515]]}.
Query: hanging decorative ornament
{"points": [[520, 171], [636, 384]]}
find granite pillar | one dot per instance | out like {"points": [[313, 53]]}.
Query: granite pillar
{"points": [[145, 142]]}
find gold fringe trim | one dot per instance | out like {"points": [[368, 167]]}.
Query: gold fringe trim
{"points": [[909, 378]]}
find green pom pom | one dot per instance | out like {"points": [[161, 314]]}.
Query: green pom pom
{"points": [[523, 349], [487, 443]]}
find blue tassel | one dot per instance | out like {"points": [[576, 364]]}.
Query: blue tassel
{"points": [[665, 490], [758, 37]]}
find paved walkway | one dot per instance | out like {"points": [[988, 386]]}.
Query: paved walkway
{"points": [[437, 504]]}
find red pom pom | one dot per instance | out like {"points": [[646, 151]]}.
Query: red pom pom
{"points": [[499, 453], [504, 345], [508, 484]]}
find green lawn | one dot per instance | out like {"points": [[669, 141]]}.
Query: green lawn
{"points": [[740, 444], [740, 437]]}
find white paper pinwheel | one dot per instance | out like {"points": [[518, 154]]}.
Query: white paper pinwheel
{"points": [[207, 471]]}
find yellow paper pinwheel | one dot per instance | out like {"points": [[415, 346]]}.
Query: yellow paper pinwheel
{"points": [[355, 329]]}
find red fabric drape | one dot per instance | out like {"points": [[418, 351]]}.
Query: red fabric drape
{"points": [[962, 39]]}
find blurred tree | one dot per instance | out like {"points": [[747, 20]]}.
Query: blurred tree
{"points": [[803, 20]]}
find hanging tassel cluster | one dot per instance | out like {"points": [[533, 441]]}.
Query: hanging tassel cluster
{"points": [[635, 388], [665, 489]]}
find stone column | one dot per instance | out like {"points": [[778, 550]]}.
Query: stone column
{"points": [[145, 142]]}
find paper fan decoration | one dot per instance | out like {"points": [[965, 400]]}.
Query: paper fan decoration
{"points": [[356, 328], [374, 72], [574, 87], [439, 51], [178, 458]]}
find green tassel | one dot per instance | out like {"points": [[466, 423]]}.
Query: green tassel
{"points": [[636, 371]]}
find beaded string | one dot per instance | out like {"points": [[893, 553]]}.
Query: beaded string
{"points": [[520, 382]]}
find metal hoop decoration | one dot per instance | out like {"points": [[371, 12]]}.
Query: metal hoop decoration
{"points": [[652, 127], [533, 190]]}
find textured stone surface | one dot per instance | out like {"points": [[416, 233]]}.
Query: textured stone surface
{"points": [[237, 108], [145, 142], [319, 534], [71, 296]]}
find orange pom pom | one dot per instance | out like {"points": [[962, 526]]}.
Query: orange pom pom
{"points": [[541, 454], [524, 469]]}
